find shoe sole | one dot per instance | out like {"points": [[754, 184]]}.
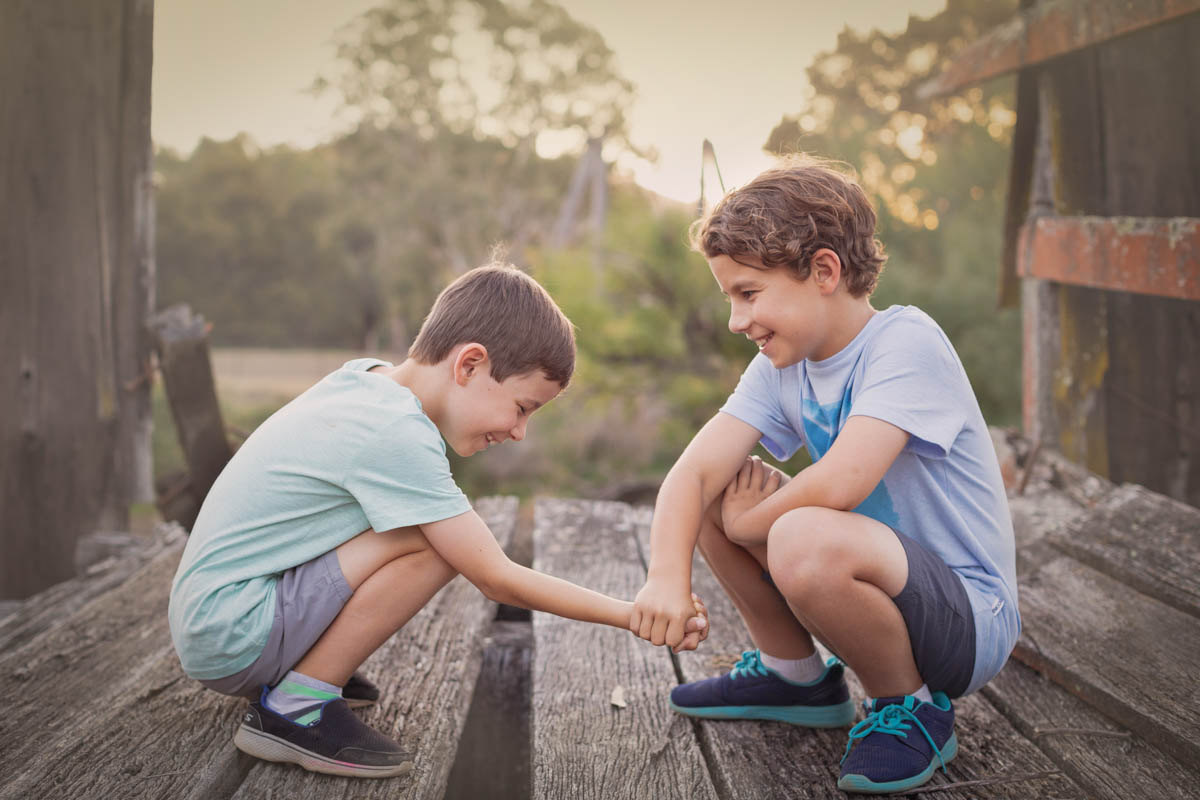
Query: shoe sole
{"points": [[358, 703], [863, 784], [271, 748], [836, 716]]}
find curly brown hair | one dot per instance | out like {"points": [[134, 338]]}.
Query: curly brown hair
{"points": [[791, 211]]}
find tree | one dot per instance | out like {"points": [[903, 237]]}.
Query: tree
{"points": [[260, 244], [467, 112], [936, 172]]}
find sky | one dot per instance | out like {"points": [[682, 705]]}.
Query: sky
{"points": [[726, 71]]}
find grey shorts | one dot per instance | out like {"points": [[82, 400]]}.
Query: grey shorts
{"points": [[307, 598], [939, 618]]}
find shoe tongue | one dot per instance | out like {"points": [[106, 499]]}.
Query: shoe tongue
{"points": [[907, 701]]}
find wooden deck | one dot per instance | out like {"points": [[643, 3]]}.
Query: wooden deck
{"points": [[1100, 701]]}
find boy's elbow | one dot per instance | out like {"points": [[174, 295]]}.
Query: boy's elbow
{"points": [[839, 495], [496, 584]]}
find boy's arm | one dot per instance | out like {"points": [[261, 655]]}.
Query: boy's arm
{"points": [[860, 456], [467, 545], [702, 472]]}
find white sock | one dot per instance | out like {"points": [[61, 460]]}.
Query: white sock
{"points": [[923, 694], [796, 670]]}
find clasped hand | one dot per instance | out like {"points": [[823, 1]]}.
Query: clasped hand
{"points": [[652, 621], [754, 483]]}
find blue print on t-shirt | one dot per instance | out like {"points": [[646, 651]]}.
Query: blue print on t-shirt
{"points": [[821, 424]]}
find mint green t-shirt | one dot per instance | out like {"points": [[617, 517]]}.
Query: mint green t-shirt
{"points": [[353, 452]]}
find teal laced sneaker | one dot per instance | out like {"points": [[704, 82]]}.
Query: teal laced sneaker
{"points": [[751, 690], [899, 745]]}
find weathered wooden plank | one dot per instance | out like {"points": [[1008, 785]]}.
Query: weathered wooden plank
{"points": [[104, 709], [162, 735], [582, 745], [56, 605], [1147, 255], [777, 760], [67, 437], [1143, 539], [70, 674], [1048, 30], [1109, 762], [426, 674], [1127, 654]]}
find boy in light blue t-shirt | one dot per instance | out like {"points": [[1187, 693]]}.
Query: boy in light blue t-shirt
{"points": [[338, 520], [895, 548]]}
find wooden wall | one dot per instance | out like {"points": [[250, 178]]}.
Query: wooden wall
{"points": [[1113, 378], [76, 277]]}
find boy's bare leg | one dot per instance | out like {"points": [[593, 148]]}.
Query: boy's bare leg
{"points": [[773, 627], [393, 575], [839, 572]]}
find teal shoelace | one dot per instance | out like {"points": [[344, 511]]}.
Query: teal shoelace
{"points": [[748, 665], [895, 720]]}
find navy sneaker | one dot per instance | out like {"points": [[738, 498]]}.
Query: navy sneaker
{"points": [[752, 690], [359, 692], [899, 745], [338, 743]]}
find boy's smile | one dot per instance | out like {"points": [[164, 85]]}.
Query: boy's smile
{"points": [[782, 315], [489, 412], [789, 319]]}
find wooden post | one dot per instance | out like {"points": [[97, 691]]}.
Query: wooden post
{"points": [[183, 356], [76, 277]]}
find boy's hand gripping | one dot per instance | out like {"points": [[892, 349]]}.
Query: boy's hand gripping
{"points": [[754, 483], [696, 628], [662, 616]]}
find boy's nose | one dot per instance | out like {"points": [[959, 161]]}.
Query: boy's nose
{"points": [[738, 321], [518, 432]]}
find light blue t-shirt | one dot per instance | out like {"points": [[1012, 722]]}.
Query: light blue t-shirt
{"points": [[943, 490], [353, 452]]}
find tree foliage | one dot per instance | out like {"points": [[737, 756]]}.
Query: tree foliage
{"points": [[250, 240], [935, 170], [469, 114], [347, 244]]}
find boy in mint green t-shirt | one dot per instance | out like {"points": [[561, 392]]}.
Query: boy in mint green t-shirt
{"points": [[338, 520]]}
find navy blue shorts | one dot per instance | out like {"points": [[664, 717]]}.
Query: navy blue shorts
{"points": [[940, 622]]}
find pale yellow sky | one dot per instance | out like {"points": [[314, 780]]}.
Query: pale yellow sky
{"points": [[702, 68]]}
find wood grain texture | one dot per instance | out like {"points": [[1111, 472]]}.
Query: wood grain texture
{"points": [[426, 674], [584, 747], [1073, 735], [72, 293], [1130, 656], [105, 710], [69, 677], [777, 760], [1143, 539], [57, 604]]}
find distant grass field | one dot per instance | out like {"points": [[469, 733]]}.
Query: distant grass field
{"points": [[252, 384]]}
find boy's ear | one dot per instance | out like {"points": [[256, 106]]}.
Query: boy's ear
{"points": [[471, 360], [826, 270]]}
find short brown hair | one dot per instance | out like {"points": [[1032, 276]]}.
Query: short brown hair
{"points": [[791, 211], [510, 314]]}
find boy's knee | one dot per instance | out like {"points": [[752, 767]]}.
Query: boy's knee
{"points": [[805, 553]]}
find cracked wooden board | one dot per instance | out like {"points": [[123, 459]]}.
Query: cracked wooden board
{"points": [[583, 746]]}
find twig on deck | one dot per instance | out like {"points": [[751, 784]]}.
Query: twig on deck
{"points": [[1031, 776], [1082, 732]]}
